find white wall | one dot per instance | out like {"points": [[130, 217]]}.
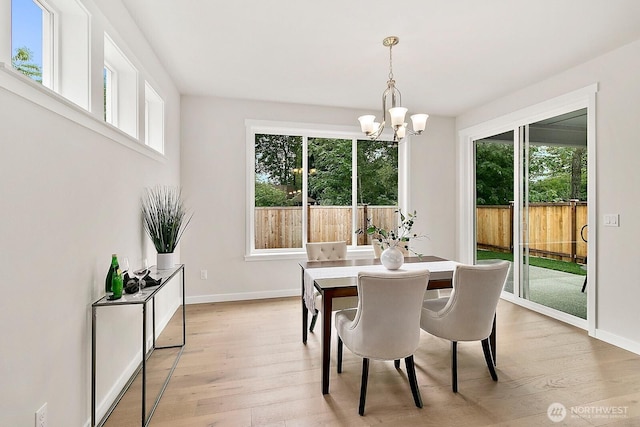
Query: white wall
{"points": [[70, 196], [214, 182], [617, 282]]}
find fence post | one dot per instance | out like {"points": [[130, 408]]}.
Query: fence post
{"points": [[574, 243], [362, 238], [309, 236]]}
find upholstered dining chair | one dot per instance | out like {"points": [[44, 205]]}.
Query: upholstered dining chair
{"points": [[386, 323], [328, 251], [468, 313]]}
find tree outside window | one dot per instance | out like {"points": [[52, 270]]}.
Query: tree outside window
{"points": [[279, 173]]}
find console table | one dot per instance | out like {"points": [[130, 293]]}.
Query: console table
{"points": [[148, 295]]}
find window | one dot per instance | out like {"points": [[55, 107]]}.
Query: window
{"points": [[50, 44], [32, 40], [121, 90], [318, 187], [153, 119]]}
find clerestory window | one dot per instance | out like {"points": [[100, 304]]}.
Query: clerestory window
{"points": [[32, 40]]}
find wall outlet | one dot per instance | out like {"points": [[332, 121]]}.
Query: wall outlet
{"points": [[41, 416], [203, 274]]}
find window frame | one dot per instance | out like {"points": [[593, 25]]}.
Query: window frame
{"points": [[306, 131], [153, 118], [126, 95]]}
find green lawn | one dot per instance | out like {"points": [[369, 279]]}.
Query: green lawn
{"points": [[551, 264]]}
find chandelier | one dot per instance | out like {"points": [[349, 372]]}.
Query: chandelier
{"points": [[397, 112]]}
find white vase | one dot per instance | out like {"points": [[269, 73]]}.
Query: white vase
{"points": [[166, 261], [392, 258]]}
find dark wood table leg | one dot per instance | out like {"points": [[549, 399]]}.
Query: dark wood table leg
{"points": [[327, 305], [305, 313], [492, 340]]}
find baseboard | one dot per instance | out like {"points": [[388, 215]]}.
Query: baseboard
{"points": [[243, 296], [618, 341], [103, 406]]}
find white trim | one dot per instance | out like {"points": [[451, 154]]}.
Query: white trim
{"points": [[153, 118], [547, 311], [404, 174], [302, 129], [618, 341], [243, 296], [358, 252], [50, 45], [578, 99], [250, 189], [592, 289]]}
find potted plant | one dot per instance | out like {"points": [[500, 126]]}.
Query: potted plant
{"points": [[165, 219]]}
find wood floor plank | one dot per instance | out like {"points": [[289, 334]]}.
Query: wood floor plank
{"points": [[245, 365]]}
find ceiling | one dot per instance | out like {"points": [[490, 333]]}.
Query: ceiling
{"points": [[453, 55]]}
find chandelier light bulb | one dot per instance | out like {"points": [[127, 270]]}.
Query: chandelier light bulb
{"points": [[397, 116], [419, 122], [367, 123], [402, 131]]}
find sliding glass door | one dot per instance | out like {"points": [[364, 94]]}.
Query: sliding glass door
{"points": [[531, 207], [494, 200]]}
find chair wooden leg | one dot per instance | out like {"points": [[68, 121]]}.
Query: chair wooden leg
{"points": [[313, 321], [454, 366], [489, 359], [363, 386], [413, 381], [339, 354], [397, 363]]}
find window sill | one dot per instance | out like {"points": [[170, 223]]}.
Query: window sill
{"points": [[359, 253], [14, 82]]}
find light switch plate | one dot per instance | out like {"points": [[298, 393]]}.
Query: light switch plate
{"points": [[612, 220]]}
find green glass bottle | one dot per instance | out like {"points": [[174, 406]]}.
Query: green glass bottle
{"points": [[117, 284], [114, 266]]}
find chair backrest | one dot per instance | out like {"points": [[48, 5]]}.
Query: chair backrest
{"points": [[326, 251], [469, 313], [387, 321]]}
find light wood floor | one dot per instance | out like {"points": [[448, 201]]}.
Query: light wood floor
{"points": [[245, 365]]}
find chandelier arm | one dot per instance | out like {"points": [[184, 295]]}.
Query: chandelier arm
{"points": [[413, 132]]}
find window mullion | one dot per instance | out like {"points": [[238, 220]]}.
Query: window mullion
{"points": [[354, 190], [305, 189]]}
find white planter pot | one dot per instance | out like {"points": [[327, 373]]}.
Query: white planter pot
{"points": [[166, 261], [392, 258]]}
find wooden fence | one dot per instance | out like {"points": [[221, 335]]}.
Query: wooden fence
{"points": [[281, 227], [554, 229]]}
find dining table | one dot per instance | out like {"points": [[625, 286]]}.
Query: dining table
{"points": [[338, 278]]}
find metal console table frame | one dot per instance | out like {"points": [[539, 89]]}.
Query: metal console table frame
{"points": [[148, 295]]}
